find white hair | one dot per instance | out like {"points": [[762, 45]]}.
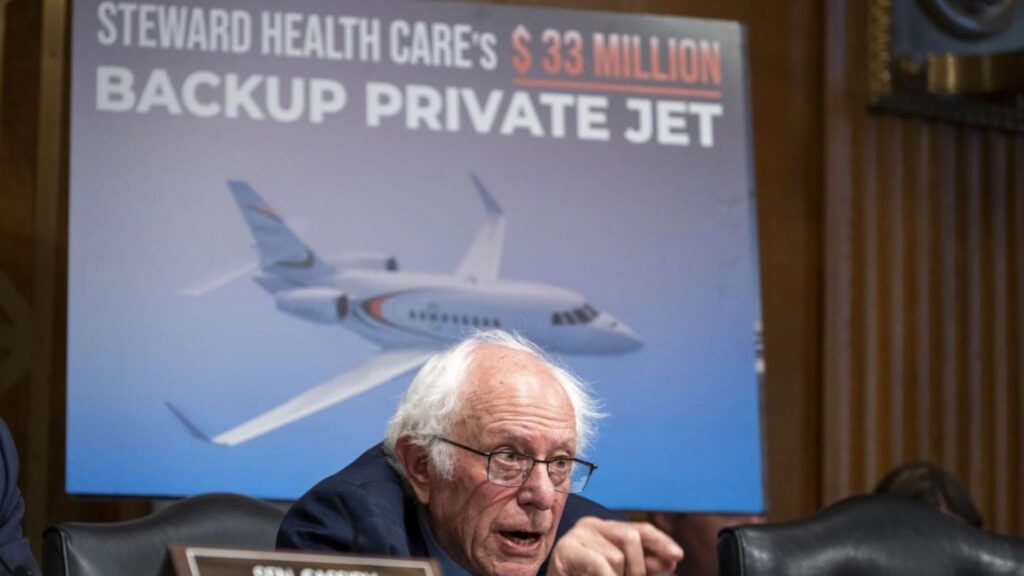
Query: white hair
{"points": [[429, 407]]}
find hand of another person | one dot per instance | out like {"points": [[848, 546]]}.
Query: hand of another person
{"points": [[598, 547]]}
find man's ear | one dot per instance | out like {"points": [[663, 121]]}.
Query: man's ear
{"points": [[417, 467]]}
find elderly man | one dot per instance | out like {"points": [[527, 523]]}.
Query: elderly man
{"points": [[479, 470]]}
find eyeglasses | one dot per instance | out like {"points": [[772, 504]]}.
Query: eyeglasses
{"points": [[511, 469]]}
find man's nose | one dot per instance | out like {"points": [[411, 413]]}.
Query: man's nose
{"points": [[537, 490]]}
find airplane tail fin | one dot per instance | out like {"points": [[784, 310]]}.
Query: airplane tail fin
{"points": [[283, 256], [483, 259]]}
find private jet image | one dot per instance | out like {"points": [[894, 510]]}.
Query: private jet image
{"points": [[409, 315]]}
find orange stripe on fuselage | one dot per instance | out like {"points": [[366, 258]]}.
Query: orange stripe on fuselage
{"points": [[375, 306]]}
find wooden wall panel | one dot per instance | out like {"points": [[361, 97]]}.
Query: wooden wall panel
{"points": [[923, 295]]}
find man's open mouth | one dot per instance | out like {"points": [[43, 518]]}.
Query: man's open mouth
{"points": [[521, 538]]}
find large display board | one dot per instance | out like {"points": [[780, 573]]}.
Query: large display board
{"points": [[279, 209]]}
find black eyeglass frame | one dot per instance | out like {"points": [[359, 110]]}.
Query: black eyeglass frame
{"points": [[590, 466]]}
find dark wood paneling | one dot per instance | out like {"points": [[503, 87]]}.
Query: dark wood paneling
{"points": [[923, 276]]}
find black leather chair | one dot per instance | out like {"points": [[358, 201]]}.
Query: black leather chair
{"points": [[869, 535], [139, 547]]}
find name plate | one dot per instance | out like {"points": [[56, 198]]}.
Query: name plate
{"points": [[197, 561]]}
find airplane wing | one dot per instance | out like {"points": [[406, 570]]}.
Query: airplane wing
{"points": [[378, 370], [483, 259]]}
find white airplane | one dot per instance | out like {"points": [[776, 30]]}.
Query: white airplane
{"points": [[410, 315]]}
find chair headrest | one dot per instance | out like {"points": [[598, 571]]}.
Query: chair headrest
{"points": [[140, 546], [874, 535]]}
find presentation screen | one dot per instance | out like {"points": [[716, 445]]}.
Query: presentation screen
{"points": [[280, 210]]}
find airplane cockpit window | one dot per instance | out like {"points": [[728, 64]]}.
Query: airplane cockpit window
{"points": [[556, 318]]}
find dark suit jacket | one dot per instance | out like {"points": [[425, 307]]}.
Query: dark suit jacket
{"points": [[365, 509], [15, 553]]}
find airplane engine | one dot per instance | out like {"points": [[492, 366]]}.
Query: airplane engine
{"points": [[320, 304]]}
